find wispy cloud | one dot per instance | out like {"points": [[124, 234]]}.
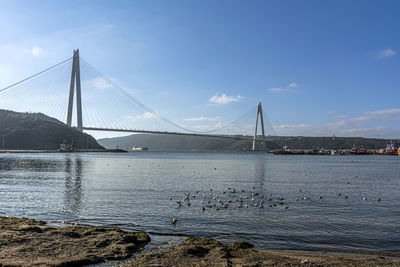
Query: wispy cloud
{"points": [[225, 99], [99, 83], [365, 126], [202, 119], [278, 89], [386, 53], [146, 115], [291, 86], [37, 51], [378, 115]]}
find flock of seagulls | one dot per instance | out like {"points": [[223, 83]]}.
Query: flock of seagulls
{"points": [[246, 199]]}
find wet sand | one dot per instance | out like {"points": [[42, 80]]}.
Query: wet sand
{"points": [[26, 242]]}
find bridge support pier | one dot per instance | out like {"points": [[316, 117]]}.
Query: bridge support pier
{"points": [[75, 78], [259, 113]]}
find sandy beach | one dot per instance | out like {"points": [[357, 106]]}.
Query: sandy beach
{"points": [[26, 242]]}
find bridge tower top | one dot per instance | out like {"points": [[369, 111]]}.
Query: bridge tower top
{"points": [[259, 114], [75, 79]]}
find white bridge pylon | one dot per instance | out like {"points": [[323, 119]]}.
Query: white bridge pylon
{"points": [[75, 78], [259, 112]]}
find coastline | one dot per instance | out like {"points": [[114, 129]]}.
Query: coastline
{"points": [[26, 242]]}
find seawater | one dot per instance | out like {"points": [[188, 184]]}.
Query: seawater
{"points": [[132, 191]]}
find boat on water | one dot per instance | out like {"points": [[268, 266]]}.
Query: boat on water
{"points": [[334, 152], [323, 151], [66, 148], [359, 151], [389, 150], [140, 148]]}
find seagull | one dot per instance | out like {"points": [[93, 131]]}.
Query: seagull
{"points": [[174, 220]]}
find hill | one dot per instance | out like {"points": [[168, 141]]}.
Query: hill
{"points": [[38, 131], [182, 143]]}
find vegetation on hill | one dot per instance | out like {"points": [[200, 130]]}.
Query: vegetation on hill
{"points": [[38, 131], [182, 143]]}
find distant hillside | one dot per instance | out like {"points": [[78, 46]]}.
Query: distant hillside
{"points": [[38, 131], [173, 142]]}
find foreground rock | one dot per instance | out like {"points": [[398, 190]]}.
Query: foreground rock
{"points": [[197, 251], [26, 242]]}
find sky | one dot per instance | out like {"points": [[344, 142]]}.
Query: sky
{"points": [[320, 68]]}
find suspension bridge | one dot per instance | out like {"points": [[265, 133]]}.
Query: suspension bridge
{"points": [[103, 105]]}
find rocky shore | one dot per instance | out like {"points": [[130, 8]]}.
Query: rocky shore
{"points": [[196, 251], [26, 242]]}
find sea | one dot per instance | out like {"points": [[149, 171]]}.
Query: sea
{"points": [[305, 202]]}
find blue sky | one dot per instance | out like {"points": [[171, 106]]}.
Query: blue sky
{"points": [[318, 67]]}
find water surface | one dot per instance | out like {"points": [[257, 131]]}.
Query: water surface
{"points": [[132, 191]]}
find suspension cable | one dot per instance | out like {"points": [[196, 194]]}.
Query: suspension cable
{"points": [[116, 86], [33, 76]]}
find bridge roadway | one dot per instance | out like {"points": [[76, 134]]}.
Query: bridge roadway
{"points": [[171, 133]]}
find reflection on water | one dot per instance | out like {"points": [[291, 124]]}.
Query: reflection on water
{"points": [[73, 184], [132, 191], [259, 170]]}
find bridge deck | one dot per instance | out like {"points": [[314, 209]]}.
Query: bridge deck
{"points": [[170, 133]]}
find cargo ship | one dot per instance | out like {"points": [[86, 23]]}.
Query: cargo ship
{"points": [[389, 150]]}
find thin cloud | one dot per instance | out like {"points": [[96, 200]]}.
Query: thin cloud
{"points": [[349, 126], [146, 115], [201, 119], [100, 83], [290, 87], [386, 53], [37, 51], [278, 89], [225, 99]]}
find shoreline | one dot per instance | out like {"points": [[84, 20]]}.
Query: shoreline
{"points": [[24, 242], [57, 151]]}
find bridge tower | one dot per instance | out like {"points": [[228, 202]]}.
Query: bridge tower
{"points": [[75, 78], [259, 114]]}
